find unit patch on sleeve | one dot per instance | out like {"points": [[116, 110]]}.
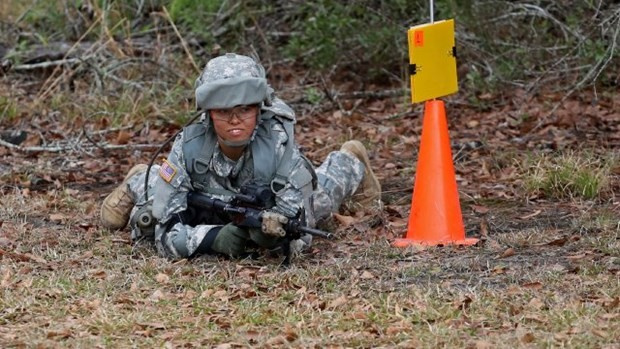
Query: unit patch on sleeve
{"points": [[167, 171]]}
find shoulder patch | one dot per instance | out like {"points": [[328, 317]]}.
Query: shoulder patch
{"points": [[167, 171]]}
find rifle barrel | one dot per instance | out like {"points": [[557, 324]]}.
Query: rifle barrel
{"points": [[316, 232]]}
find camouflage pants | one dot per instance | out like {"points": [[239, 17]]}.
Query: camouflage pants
{"points": [[338, 178]]}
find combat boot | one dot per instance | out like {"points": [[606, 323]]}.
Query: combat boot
{"points": [[117, 206], [369, 191]]}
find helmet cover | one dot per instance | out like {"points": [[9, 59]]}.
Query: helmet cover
{"points": [[231, 80]]}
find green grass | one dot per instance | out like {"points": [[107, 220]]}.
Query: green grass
{"points": [[8, 109], [568, 175]]}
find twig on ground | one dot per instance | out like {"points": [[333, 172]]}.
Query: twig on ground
{"points": [[47, 64], [45, 89], [375, 94], [73, 146], [590, 77], [183, 43]]}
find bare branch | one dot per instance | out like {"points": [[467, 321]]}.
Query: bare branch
{"points": [[74, 146], [48, 64]]}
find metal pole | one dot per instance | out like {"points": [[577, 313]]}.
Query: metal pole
{"points": [[432, 11]]}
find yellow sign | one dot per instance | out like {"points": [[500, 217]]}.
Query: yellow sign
{"points": [[432, 60]]}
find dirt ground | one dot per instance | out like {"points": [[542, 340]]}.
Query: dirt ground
{"points": [[531, 246]]}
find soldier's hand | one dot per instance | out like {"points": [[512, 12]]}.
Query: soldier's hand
{"points": [[273, 224]]}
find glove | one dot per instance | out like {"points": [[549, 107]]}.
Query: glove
{"points": [[272, 224]]}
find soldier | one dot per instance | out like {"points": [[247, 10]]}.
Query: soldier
{"points": [[245, 136]]}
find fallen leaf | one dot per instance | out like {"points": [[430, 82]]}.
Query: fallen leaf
{"points": [[473, 123], [93, 305], [359, 315], [123, 137], [72, 192], [411, 140], [221, 294], [180, 262], [344, 220], [86, 255], [536, 303], [480, 344], [276, 341], [290, 334], [337, 302], [558, 242], [34, 258], [528, 338], [533, 285], [57, 217], [573, 330], [499, 269], [252, 335], [609, 316], [531, 215], [66, 333], [600, 333], [558, 268], [367, 275], [5, 278], [162, 278], [480, 209], [157, 295], [85, 225], [614, 303], [394, 330], [484, 229], [98, 274], [6, 243], [463, 303], [507, 253], [153, 325]]}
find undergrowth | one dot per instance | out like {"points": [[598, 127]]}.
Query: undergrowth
{"points": [[569, 175], [525, 44]]}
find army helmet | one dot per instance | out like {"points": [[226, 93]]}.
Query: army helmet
{"points": [[231, 80]]}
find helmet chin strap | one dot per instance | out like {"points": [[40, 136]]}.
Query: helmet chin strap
{"points": [[235, 144]]}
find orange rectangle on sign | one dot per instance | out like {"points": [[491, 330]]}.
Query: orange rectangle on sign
{"points": [[418, 38]]}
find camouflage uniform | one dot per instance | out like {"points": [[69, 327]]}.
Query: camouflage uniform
{"points": [[338, 178], [228, 81]]}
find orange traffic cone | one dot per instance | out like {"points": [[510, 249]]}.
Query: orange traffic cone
{"points": [[435, 217]]}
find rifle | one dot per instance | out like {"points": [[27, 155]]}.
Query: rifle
{"points": [[246, 209]]}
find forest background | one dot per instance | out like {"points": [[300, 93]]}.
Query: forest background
{"points": [[88, 88]]}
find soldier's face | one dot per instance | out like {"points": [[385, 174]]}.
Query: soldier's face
{"points": [[235, 124]]}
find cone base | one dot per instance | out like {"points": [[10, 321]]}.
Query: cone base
{"points": [[411, 242]]}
